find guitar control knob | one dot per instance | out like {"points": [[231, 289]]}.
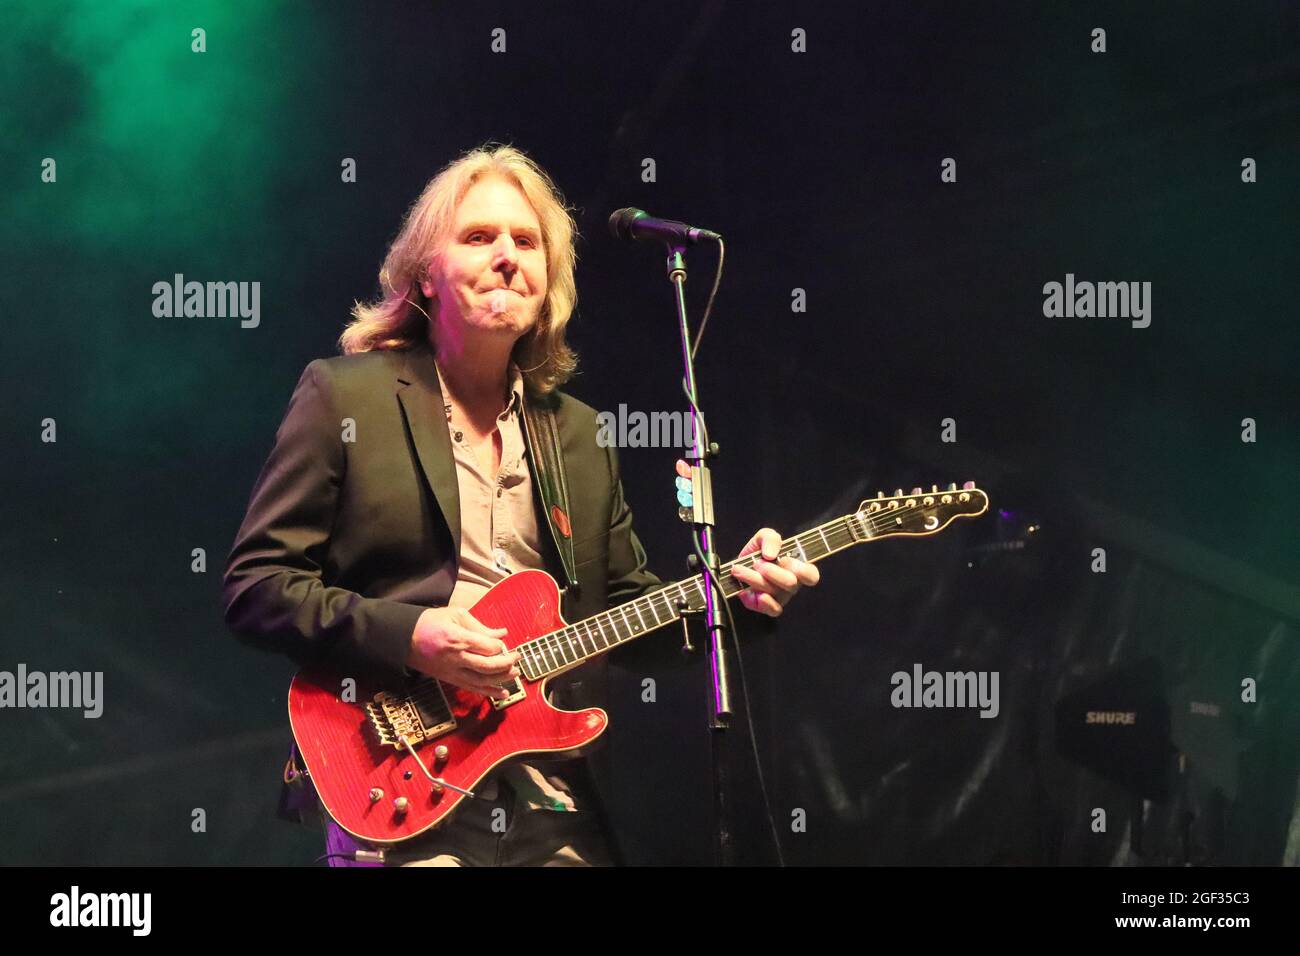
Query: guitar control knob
{"points": [[400, 805], [440, 752], [376, 795]]}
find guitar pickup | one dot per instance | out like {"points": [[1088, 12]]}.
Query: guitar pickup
{"points": [[515, 687]]}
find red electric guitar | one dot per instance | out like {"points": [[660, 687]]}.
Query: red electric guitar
{"points": [[400, 759]]}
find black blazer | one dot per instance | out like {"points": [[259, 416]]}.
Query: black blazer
{"points": [[346, 542]]}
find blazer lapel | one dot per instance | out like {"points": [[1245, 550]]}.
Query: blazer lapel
{"points": [[421, 397]]}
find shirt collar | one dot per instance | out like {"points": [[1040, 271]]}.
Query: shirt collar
{"points": [[516, 389], [513, 404]]}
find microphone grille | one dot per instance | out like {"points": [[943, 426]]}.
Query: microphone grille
{"points": [[620, 221]]}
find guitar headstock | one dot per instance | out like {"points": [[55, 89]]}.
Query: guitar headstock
{"points": [[920, 512]]}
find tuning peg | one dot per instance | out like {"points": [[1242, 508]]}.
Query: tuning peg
{"points": [[934, 489], [968, 486], [898, 492], [916, 491], [952, 486], [880, 494]]}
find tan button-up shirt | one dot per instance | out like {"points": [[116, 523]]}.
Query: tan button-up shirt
{"points": [[498, 536]]}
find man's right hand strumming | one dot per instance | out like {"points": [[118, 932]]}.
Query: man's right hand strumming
{"points": [[450, 644]]}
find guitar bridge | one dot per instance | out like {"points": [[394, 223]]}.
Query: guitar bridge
{"points": [[419, 716]]}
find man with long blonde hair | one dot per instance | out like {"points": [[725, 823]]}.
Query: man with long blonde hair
{"points": [[367, 551]]}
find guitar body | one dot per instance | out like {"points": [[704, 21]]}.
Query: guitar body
{"points": [[362, 778]]}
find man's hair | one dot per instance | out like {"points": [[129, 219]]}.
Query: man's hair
{"points": [[395, 319]]}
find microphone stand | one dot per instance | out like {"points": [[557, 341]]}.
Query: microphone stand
{"points": [[702, 523]]}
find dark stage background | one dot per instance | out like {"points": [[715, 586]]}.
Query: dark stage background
{"points": [[924, 301]]}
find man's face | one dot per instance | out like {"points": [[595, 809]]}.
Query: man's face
{"points": [[492, 256]]}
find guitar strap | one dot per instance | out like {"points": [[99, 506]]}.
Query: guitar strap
{"points": [[543, 436]]}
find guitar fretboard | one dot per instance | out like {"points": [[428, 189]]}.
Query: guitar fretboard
{"points": [[602, 632]]}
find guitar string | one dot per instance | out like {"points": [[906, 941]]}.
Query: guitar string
{"points": [[840, 530], [555, 642]]}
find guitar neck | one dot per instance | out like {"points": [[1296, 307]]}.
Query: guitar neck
{"points": [[572, 645]]}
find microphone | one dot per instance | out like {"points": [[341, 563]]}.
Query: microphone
{"points": [[632, 223]]}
